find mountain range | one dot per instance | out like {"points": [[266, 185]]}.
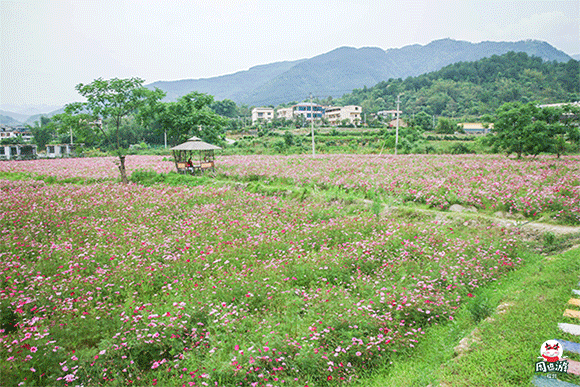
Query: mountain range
{"points": [[346, 68], [334, 73]]}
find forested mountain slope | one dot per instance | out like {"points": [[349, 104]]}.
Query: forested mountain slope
{"points": [[475, 88]]}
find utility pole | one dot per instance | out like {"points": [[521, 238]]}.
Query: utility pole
{"points": [[397, 132], [312, 118]]}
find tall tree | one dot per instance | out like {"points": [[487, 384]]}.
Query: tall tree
{"points": [[225, 108], [42, 132], [192, 115], [423, 120], [446, 126], [113, 99], [517, 131]]}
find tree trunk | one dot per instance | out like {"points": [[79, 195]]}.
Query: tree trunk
{"points": [[123, 171]]}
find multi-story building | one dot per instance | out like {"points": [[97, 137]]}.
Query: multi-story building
{"points": [[336, 114], [287, 113], [262, 114], [308, 110], [15, 131]]}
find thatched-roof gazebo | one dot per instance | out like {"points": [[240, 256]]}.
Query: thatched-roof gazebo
{"points": [[194, 155]]}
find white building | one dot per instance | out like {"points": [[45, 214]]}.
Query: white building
{"points": [[475, 127], [15, 131], [17, 152], [61, 150], [389, 113], [308, 110], [336, 114], [264, 114], [287, 113]]}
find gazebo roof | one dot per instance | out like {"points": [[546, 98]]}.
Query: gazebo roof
{"points": [[194, 144]]}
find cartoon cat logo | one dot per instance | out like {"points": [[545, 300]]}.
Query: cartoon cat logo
{"points": [[551, 351]]}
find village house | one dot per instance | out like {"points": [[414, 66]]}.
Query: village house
{"points": [[15, 131], [286, 113], [308, 110], [393, 123], [17, 151], [336, 114], [475, 127], [61, 150], [264, 114]]}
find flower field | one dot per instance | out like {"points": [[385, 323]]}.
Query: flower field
{"points": [[105, 284], [535, 188], [543, 186]]}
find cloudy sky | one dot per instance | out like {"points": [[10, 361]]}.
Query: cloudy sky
{"points": [[49, 46]]}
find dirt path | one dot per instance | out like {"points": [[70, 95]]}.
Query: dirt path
{"points": [[458, 212]]}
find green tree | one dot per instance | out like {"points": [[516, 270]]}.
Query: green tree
{"points": [[289, 138], [192, 115], [42, 132], [80, 124], [445, 126], [516, 131], [12, 140], [112, 99], [423, 120], [225, 108], [571, 121]]}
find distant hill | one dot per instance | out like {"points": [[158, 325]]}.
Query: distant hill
{"points": [[7, 120], [232, 86], [19, 118], [30, 120], [11, 118], [474, 88], [344, 69]]}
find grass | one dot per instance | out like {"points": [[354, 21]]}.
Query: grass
{"points": [[533, 297]]}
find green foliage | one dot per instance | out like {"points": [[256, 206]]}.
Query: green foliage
{"points": [[114, 99], [549, 238], [423, 121], [529, 130], [149, 177], [225, 108], [481, 306], [43, 132], [476, 88], [289, 138], [12, 140], [460, 148], [190, 116], [445, 126]]}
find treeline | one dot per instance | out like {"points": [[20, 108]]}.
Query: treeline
{"points": [[472, 89]]}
